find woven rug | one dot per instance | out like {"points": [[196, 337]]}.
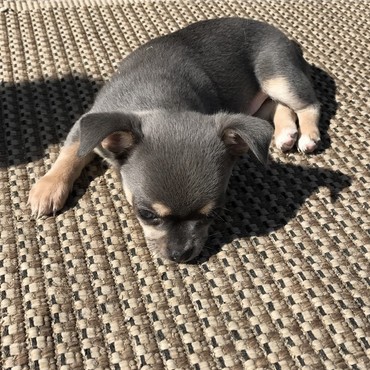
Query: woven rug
{"points": [[284, 280]]}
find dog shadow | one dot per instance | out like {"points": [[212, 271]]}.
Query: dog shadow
{"points": [[262, 201], [38, 114]]}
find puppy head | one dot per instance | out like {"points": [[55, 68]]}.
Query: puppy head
{"points": [[175, 168]]}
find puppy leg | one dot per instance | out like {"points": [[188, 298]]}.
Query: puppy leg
{"points": [[50, 193], [297, 94], [286, 132], [284, 119], [309, 128]]}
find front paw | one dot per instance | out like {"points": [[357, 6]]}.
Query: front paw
{"points": [[308, 142], [286, 138], [48, 195]]}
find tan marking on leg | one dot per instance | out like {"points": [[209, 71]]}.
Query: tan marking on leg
{"points": [[286, 132], [278, 88], [205, 210], [308, 119], [161, 209], [50, 193]]}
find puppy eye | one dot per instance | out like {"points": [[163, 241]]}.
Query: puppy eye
{"points": [[147, 215]]}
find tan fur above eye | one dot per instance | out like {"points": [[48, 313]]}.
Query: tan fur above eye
{"points": [[161, 209], [206, 210]]}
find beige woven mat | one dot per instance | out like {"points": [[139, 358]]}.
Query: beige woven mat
{"points": [[284, 282]]}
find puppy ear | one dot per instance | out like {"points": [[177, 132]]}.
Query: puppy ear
{"points": [[115, 131], [240, 133]]}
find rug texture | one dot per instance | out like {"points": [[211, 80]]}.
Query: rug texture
{"points": [[284, 280]]}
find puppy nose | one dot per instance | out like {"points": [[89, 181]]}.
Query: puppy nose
{"points": [[178, 256]]}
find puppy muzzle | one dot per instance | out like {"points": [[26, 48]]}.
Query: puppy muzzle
{"points": [[176, 244], [178, 252]]}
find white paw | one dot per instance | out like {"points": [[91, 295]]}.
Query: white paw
{"points": [[306, 144], [286, 138], [48, 195]]}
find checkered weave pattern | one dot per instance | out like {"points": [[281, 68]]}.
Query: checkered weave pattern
{"points": [[284, 280]]}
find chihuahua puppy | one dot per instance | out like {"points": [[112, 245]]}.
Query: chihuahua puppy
{"points": [[176, 115]]}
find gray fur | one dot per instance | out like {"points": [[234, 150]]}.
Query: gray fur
{"points": [[183, 96]]}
